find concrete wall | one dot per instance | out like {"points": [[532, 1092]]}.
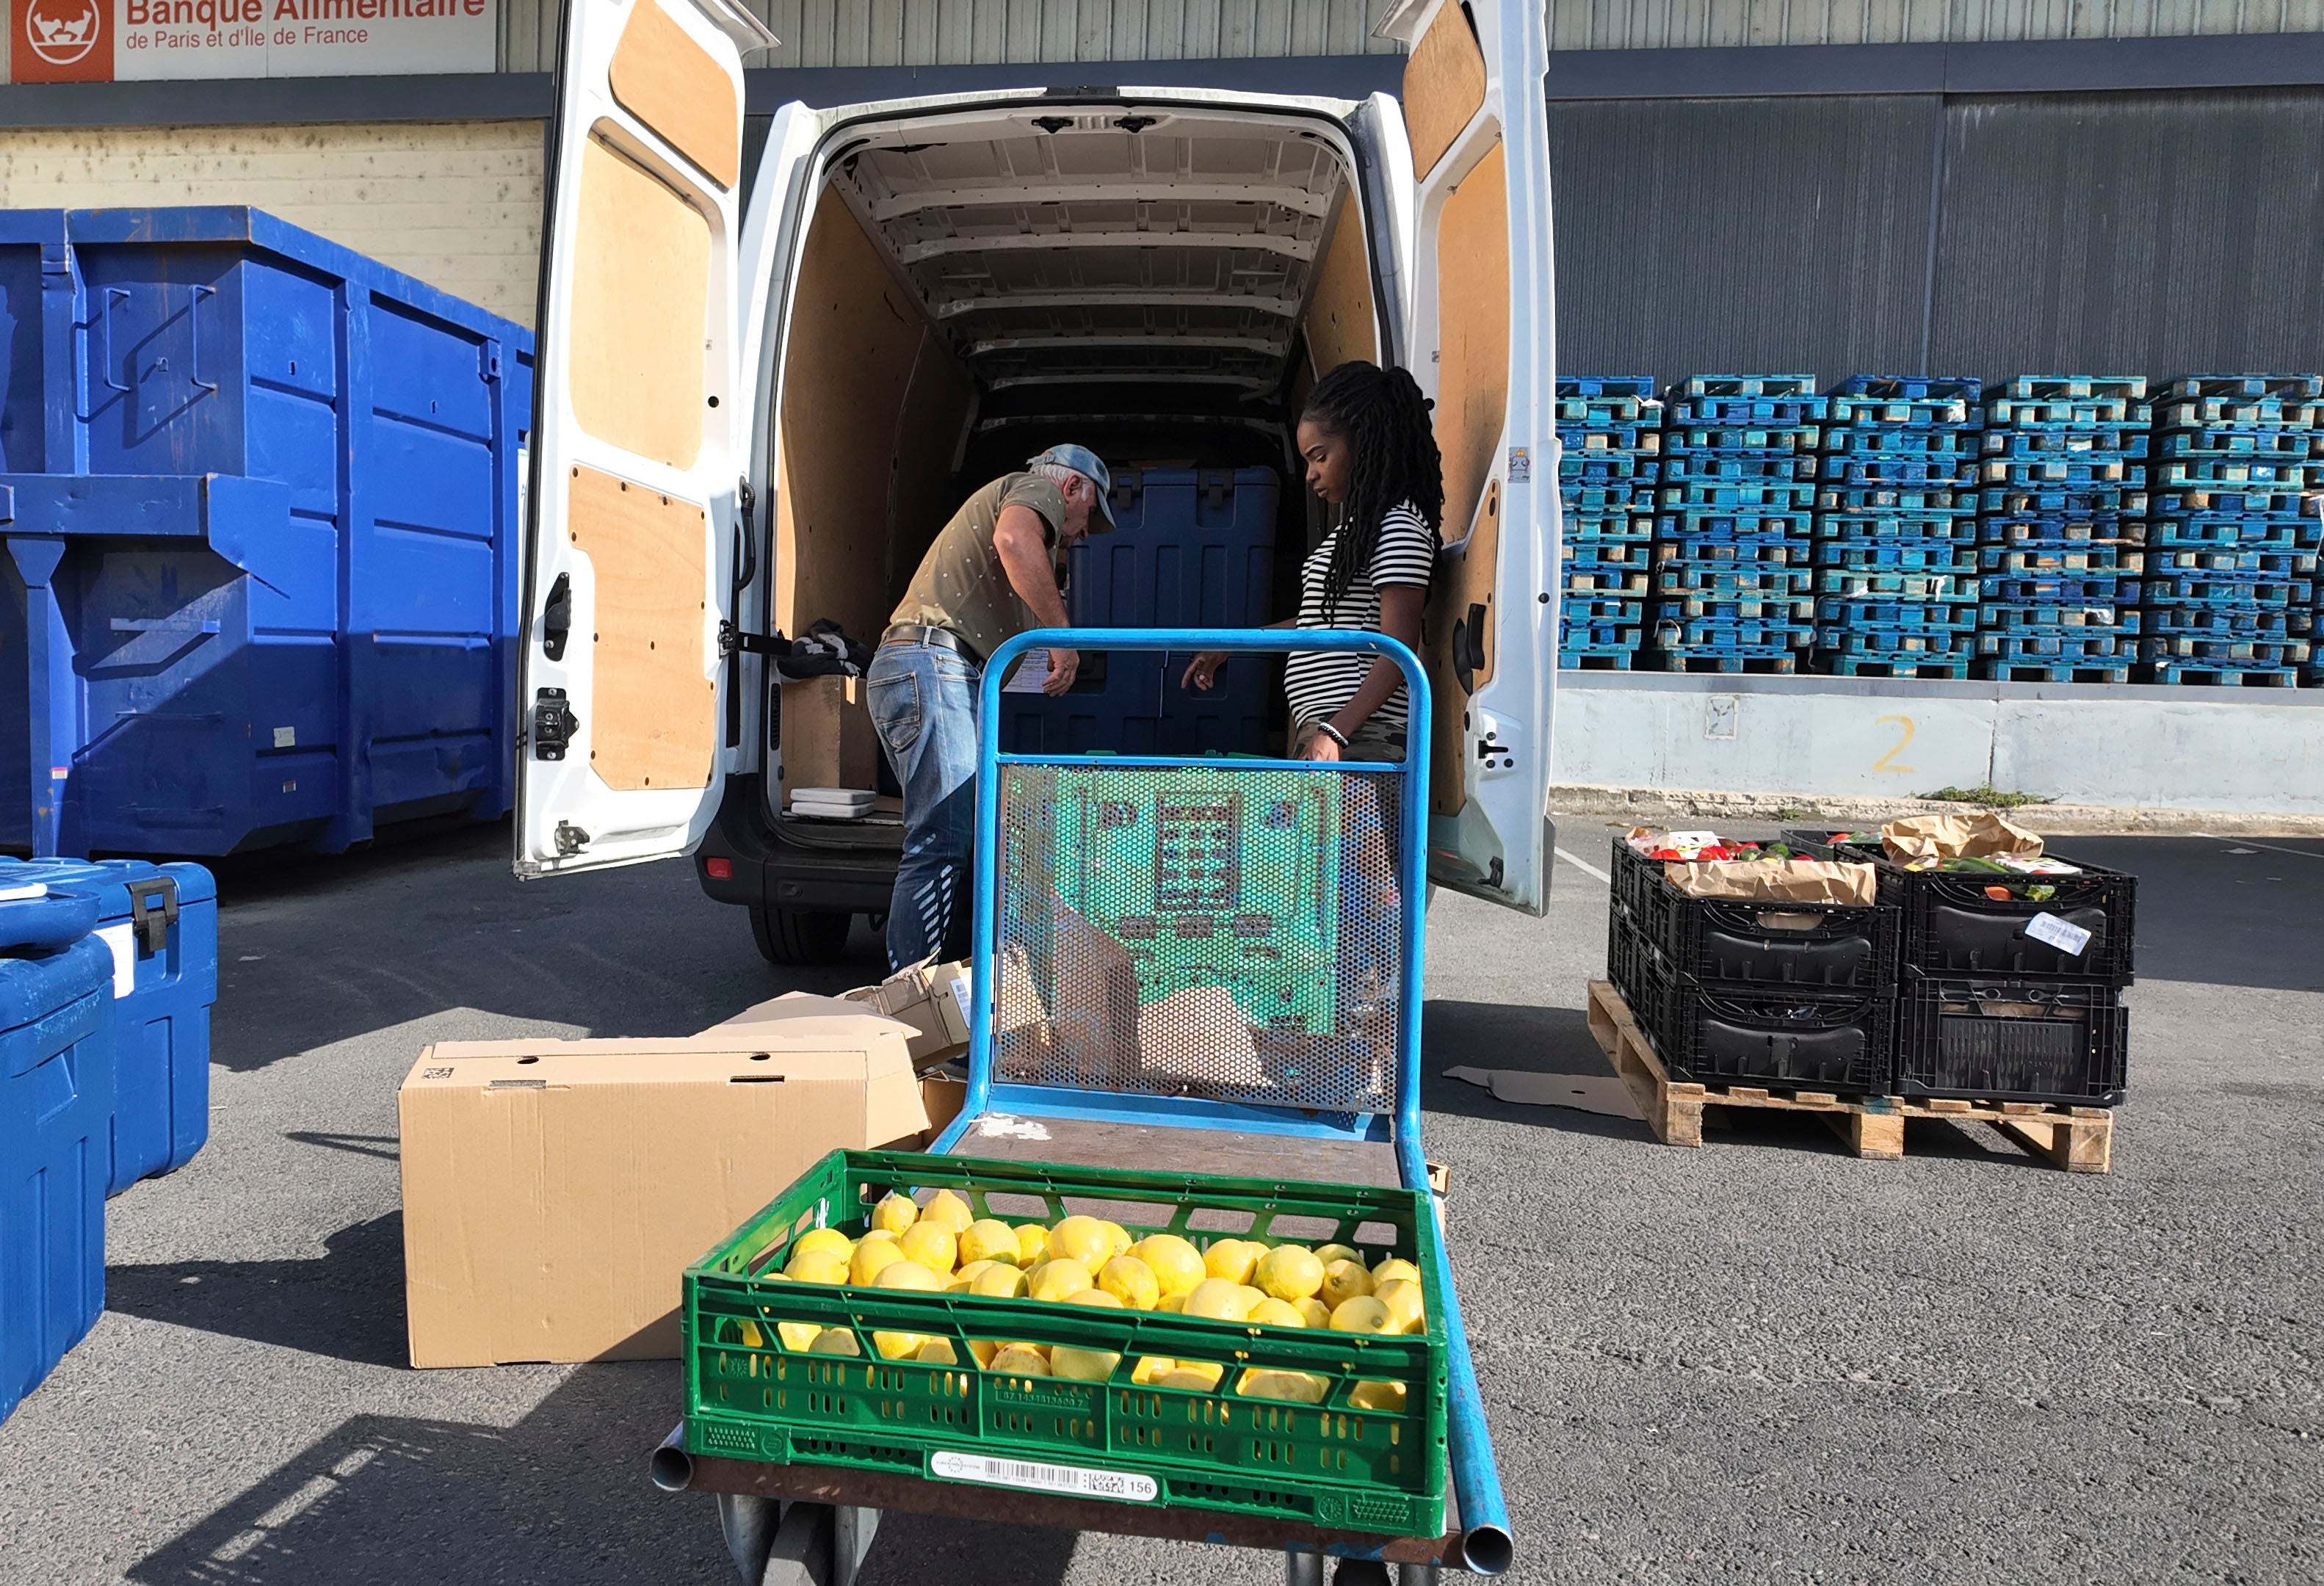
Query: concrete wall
{"points": [[2260, 750], [456, 203]]}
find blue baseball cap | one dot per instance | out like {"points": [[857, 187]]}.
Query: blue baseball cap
{"points": [[1084, 462]]}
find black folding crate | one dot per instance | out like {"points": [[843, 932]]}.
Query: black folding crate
{"points": [[1630, 963], [2013, 1040], [1973, 923], [1757, 1036], [1737, 942]]}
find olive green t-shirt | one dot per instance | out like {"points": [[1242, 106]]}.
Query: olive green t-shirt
{"points": [[961, 585]]}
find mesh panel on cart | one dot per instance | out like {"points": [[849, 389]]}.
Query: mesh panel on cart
{"points": [[1229, 932]]}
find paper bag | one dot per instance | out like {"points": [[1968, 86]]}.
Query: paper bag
{"points": [[1774, 880], [1957, 836]]}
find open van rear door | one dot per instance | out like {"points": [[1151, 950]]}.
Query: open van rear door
{"points": [[1480, 327], [643, 422]]}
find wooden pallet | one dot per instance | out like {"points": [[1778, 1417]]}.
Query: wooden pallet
{"points": [[2080, 1139]]}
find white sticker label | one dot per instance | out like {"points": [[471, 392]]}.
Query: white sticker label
{"points": [[125, 956], [1692, 839], [960, 994], [2063, 934], [1071, 1479], [286, 737]]}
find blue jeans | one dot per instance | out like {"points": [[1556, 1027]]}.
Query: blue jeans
{"points": [[923, 704]]}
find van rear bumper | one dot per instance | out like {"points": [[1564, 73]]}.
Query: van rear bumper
{"points": [[775, 870]]}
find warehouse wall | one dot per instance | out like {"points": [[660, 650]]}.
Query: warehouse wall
{"points": [[1662, 24], [456, 204], [2143, 233]]}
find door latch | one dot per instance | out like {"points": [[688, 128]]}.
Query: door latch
{"points": [[553, 724], [731, 638]]}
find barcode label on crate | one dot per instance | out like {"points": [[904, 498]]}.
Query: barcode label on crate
{"points": [[1076, 1480], [2063, 934]]}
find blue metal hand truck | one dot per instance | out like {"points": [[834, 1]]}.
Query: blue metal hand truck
{"points": [[1109, 1029]]}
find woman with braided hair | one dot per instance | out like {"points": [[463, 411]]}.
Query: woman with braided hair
{"points": [[1371, 452]]}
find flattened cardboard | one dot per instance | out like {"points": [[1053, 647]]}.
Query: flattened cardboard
{"points": [[827, 738], [555, 1191]]}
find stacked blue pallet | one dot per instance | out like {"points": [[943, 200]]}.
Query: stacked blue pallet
{"points": [[1896, 529], [1609, 443], [2062, 512], [2230, 585], [1732, 529]]}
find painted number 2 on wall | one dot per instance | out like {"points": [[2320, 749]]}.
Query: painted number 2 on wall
{"points": [[1888, 760]]}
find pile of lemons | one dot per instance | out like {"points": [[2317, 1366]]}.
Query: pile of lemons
{"points": [[942, 1248]]}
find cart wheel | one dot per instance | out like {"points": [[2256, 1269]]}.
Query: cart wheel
{"points": [[799, 936], [1359, 1572]]}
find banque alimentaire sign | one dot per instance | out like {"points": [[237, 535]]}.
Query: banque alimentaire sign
{"points": [[129, 41]]}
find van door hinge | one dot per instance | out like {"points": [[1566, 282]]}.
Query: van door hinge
{"points": [[553, 724], [731, 638], [571, 839]]}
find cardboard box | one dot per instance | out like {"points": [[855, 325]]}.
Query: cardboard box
{"points": [[933, 998], [828, 739], [942, 1095], [555, 1191]]}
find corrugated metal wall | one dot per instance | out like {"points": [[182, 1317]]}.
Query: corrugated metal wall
{"points": [[1665, 24], [2155, 233], [1738, 235], [970, 32]]}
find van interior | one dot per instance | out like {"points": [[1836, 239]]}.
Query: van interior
{"points": [[1163, 286]]}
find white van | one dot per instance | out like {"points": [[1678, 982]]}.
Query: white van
{"points": [[756, 413]]}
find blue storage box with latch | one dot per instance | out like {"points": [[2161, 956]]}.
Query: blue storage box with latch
{"points": [[56, 1107], [159, 922], [1191, 549], [260, 500]]}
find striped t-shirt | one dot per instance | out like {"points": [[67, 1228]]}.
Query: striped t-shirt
{"points": [[1321, 682]]}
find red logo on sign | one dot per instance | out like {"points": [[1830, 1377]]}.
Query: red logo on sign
{"points": [[62, 42]]}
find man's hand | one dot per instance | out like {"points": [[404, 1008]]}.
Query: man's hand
{"points": [[1063, 665], [1203, 670], [1321, 746]]}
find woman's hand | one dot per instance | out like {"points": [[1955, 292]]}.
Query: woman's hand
{"points": [[1321, 745], [1203, 670]]}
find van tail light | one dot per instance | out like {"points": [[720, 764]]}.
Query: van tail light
{"points": [[718, 870]]}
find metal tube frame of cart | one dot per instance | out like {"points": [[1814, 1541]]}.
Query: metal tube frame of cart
{"points": [[792, 1523]]}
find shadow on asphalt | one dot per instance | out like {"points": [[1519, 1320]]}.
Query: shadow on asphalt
{"points": [[562, 1493], [346, 1304]]}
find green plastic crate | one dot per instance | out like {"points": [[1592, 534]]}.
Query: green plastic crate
{"points": [[1329, 1464]]}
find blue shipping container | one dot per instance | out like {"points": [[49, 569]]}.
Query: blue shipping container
{"points": [[262, 503], [1191, 549], [159, 922], [56, 1098]]}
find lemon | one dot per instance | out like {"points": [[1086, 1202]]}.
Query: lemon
{"points": [[1362, 1314], [899, 1346], [969, 1271], [1117, 1236], [1057, 1280], [1231, 1259], [1289, 1272], [1081, 1365], [1327, 1254], [1219, 1300], [823, 1239], [816, 1266], [1176, 1265], [1019, 1359], [982, 1351], [1394, 1267], [748, 1333], [797, 1336], [834, 1341], [1152, 1369], [1173, 1304], [903, 1274], [1401, 1295], [937, 1352], [931, 1244], [1195, 1374], [1083, 1240], [989, 1240], [1273, 1312], [949, 1212], [1299, 1387], [998, 1281], [1256, 1296], [1313, 1311], [894, 1213], [1345, 1281], [877, 1236], [874, 1256], [1032, 1245], [1130, 1281], [1097, 1298], [1377, 1396]]}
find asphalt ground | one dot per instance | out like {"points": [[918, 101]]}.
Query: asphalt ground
{"points": [[1760, 1361]]}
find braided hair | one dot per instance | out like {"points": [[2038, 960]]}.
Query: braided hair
{"points": [[1384, 418]]}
